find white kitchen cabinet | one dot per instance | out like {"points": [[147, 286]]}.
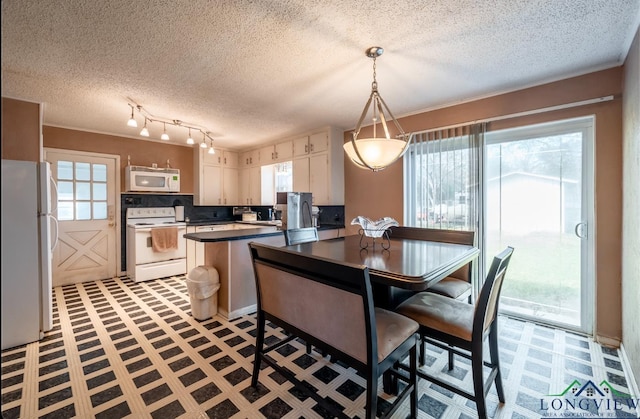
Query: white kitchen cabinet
{"points": [[250, 158], [276, 152], [320, 172], [250, 186], [309, 144], [216, 178]]}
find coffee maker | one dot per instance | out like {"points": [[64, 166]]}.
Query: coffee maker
{"points": [[296, 209]]}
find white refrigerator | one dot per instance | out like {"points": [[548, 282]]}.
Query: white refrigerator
{"points": [[28, 224]]}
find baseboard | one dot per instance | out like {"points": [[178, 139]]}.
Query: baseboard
{"points": [[632, 384], [238, 313]]}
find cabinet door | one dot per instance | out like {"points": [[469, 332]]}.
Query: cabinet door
{"points": [[211, 185], [245, 191], [301, 146], [230, 186], [318, 142], [301, 175], [319, 179], [249, 158], [230, 158], [211, 159], [267, 154], [255, 186], [284, 151]]}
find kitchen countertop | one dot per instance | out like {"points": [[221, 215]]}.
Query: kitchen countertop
{"points": [[229, 235], [245, 233], [257, 223]]}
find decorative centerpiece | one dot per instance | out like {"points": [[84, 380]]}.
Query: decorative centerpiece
{"points": [[374, 229]]}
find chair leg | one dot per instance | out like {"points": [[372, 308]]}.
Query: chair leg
{"points": [[478, 381], [495, 360], [372, 395], [422, 344], [258, 351], [308, 348], [413, 361], [450, 361]]}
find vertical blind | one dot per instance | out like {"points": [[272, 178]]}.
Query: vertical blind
{"points": [[443, 180]]}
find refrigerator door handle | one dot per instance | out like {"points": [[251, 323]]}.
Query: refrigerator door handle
{"points": [[55, 241], [54, 200]]}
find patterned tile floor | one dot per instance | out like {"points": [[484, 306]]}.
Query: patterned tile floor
{"points": [[125, 349]]}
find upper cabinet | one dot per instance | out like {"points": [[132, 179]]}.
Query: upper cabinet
{"points": [[309, 144], [275, 153], [215, 177], [318, 166], [250, 158]]}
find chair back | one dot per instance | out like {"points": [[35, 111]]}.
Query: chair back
{"points": [[439, 235], [318, 300], [486, 310], [300, 235]]}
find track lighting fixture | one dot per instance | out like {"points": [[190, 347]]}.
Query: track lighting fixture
{"points": [[211, 150], [149, 118]]}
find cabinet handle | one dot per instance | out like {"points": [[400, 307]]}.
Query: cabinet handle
{"points": [[225, 160], [218, 159], [250, 159], [273, 155], [311, 147], [276, 154]]}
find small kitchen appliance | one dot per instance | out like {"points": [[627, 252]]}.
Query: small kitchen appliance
{"points": [[152, 179], [145, 263], [296, 209]]}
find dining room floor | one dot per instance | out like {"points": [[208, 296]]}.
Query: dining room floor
{"points": [[125, 349]]}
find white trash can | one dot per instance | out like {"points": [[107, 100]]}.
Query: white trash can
{"points": [[203, 283]]}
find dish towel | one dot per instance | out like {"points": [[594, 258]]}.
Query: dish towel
{"points": [[164, 239]]}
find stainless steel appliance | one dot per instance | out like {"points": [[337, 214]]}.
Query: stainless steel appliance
{"points": [[296, 209], [28, 205], [143, 262], [152, 179]]}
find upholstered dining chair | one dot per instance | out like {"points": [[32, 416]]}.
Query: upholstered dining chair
{"points": [[458, 284], [299, 236], [463, 328], [330, 304]]}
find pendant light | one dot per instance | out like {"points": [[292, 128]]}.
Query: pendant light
{"points": [[164, 135], [203, 144], [145, 131], [376, 153], [211, 150], [132, 121], [190, 139]]}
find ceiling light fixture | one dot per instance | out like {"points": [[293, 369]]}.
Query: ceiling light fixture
{"points": [[149, 118], [145, 131], [164, 135], [132, 121], [211, 150], [190, 139], [372, 152]]}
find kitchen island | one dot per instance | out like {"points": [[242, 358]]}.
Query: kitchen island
{"points": [[228, 252]]}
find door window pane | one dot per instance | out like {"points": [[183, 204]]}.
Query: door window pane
{"points": [[99, 173], [65, 170], [83, 191], [65, 190], [99, 210], [83, 171], [83, 211], [100, 191]]}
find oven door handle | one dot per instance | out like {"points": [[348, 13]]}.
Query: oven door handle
{"points": [[147, 229]]}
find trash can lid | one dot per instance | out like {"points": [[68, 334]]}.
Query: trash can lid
{"points": [[204, 274]]}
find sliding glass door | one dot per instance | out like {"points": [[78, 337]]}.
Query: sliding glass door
{"points": [[539, 199]]}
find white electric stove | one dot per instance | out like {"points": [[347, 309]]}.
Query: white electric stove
{"points": [[143, 263]]}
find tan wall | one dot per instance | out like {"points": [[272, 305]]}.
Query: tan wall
{"points": [[20, 130], [631, 209], [143, 153], [380, 194]]}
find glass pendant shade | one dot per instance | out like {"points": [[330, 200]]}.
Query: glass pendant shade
{"points": [[373, 152], [164, 135], [132, 121], [145, 131]]}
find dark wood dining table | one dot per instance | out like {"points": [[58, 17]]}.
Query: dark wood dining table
{"points": [[406, 267]]}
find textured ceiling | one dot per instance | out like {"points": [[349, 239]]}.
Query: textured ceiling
{"points": [[257, 71]]}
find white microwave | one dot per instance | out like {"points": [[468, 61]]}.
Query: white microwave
{"points": [[150, 179]]}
